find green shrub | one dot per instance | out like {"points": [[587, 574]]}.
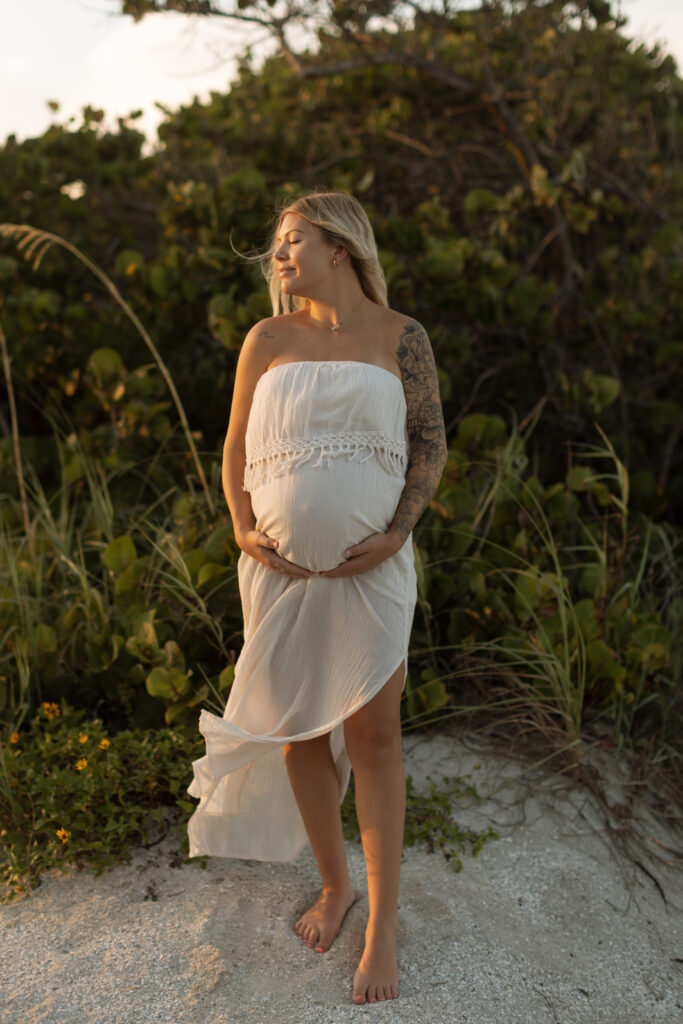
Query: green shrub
{"points": [[71, 794]]}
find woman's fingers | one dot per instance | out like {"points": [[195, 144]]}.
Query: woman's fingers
{"points": [[267, 542], [264, 549], [356, 564], [280, 564]]}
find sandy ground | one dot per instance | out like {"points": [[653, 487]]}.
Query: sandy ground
{"points": [[546, 925]]}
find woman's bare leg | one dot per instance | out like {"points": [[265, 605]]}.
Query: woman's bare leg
{"points": [[373, 742], [313, 778]]}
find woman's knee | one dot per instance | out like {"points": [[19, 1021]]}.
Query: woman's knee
{"points": [[373, 742]]}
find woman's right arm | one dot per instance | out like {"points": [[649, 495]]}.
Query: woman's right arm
{"points": [[256, 355], [254, 358]]}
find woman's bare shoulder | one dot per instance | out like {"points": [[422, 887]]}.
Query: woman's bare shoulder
{"points": [[270, 327], [256, 352], [401, 322], [395, 316], [407, 340], [262, 340]]}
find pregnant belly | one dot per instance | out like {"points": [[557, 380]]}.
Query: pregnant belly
{"points": [[316, 513]]}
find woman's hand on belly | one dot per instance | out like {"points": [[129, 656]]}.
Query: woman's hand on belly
{"points": [[366, 555], [260, 546]]}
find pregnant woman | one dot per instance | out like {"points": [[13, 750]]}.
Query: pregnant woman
{"points": [[335, 446]]}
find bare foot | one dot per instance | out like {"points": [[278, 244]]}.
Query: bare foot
{"points": [[377, 976], [320, 925]]}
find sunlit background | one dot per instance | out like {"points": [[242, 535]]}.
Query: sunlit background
{"points": [[80, 52]]}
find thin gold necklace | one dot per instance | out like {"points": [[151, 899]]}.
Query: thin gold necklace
{"points": [[335, 327]]}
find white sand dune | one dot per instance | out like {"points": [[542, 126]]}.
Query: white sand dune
{"points": [[546, 925]]}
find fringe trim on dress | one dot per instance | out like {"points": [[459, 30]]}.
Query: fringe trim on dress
{"points": [[278, 457]]}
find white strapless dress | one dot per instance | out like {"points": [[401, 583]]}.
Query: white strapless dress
{"points": [[327, 451]]}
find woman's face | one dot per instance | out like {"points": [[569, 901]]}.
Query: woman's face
{"points": [[303, 256]]}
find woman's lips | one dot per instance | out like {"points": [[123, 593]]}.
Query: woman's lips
{"points": [[286, 270]]}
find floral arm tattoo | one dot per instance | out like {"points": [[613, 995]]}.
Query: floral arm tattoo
{"points": [[425, 424]]}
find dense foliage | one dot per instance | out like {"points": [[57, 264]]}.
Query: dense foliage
{"points": [[528, 214]]}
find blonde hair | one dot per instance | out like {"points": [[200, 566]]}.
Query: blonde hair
{"points": [[343, 221]]}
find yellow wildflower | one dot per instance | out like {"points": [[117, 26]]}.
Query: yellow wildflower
{"points": [[82, 763], [62, 834], [83, 738], [51, 710], [104, 743], [14, 738]]}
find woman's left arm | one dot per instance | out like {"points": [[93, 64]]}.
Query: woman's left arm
{"points": [[428, 453], [426, 430]]}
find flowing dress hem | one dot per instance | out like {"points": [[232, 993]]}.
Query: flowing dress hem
{"points": [[311, 734], [204, 846]]}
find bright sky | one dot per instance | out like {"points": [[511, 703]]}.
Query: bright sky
{"points": [[80, 52]]}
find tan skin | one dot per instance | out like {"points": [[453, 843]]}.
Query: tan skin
{"points": [[323, 273]]}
